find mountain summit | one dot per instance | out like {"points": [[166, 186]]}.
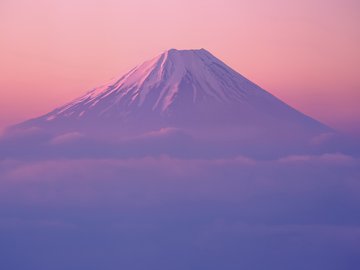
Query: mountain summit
{"points": [[179, 88], [187, 77]]}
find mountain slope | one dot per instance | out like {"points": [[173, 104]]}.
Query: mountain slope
{"points": [[182, 89]]}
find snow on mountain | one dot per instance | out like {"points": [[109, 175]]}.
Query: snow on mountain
{"points": [[164, 76], [178, 88]]}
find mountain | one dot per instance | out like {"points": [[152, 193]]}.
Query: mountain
{"points": [[188, 89]]}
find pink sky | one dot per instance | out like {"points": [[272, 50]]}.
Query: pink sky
{"points": [[305, 52]]}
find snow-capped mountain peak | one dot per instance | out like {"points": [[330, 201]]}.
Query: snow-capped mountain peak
{"points": [[156, 84], [176, 88]]}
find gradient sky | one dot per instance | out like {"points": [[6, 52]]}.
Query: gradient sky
{"points": [[305, 52]]}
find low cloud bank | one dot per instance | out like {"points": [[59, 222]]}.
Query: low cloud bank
{"points": [[294, 212], [167, 200], [36, 144]]}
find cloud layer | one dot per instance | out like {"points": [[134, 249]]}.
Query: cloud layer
{"points": [[294, 212]]}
